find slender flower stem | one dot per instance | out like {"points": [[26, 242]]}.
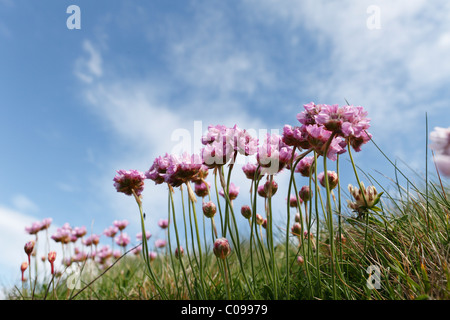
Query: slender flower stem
{"points": [[330, 217]]}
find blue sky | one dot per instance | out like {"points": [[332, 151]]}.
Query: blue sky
{"points": [[77, 105]]}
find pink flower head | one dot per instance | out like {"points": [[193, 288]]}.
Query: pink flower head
{"points": [[307, 117], [158, 169], [160, 243], [273, 155], [122, 239], [34, 228], [259, 219], [201, 189], [152, 255], [79, 232], [442, 162], [45, 224], [243, 142], [332, 179], [163, 223], [295, 137], [147, 235], [305, 166], [233, 191], [104, 254], [250, 170], [331, 117], [182, 169], [120, 224], [111, 231], [221, 248], [137, 250], [129, 181], [93, 239], [201, 175], [63, 234]]}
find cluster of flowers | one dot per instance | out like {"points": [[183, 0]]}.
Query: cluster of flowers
{"points": [[76, 237], [441, 146], [326, 129]]}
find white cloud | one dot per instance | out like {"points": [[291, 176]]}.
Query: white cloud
{"points": [[24, 204], [89, 69]]}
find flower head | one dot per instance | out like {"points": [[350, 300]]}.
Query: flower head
{"points": [[23, 267], [51, 259], [29, 247], [179, 254], [305, 193], [365, 198], [122, 239], [111, 231], [163, 223], [233, 191], [147, 235], [129, 181], [120, 224], [201, 189], [305, 166]]}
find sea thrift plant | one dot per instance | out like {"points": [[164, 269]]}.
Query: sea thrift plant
{"points": [[332, 179], [233, 192]]}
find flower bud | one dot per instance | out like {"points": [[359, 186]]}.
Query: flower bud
{"points": [[29, 246], [305, 194], [270, 188], [221, 248], [180, 253], [296, 229], [259, 219], [332, 179], [246, 212], [300, 260], [209, 209], [51, 259]]}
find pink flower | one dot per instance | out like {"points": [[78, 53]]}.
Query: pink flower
{"points": [[120, 224], [250, 170], [163, 223], [34, 228], [182, 169], [305, 166], [111, 231], [160, 243], [270, 188], [201, 189], [79, 232], [295, 137], [147, 235], [29, 247], [259, 219], [129, 181], [443, 164], [93, 239], [233, 191], [152, 255], [307, 117], [122, 239], [158, 169], [273, 155]]}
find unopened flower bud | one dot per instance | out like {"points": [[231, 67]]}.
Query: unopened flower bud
{"points": [[305, 194], [296, 229], [209, 209], [332, 179], [180, 253], [259, 219], [246, 212], [221, 248]]}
